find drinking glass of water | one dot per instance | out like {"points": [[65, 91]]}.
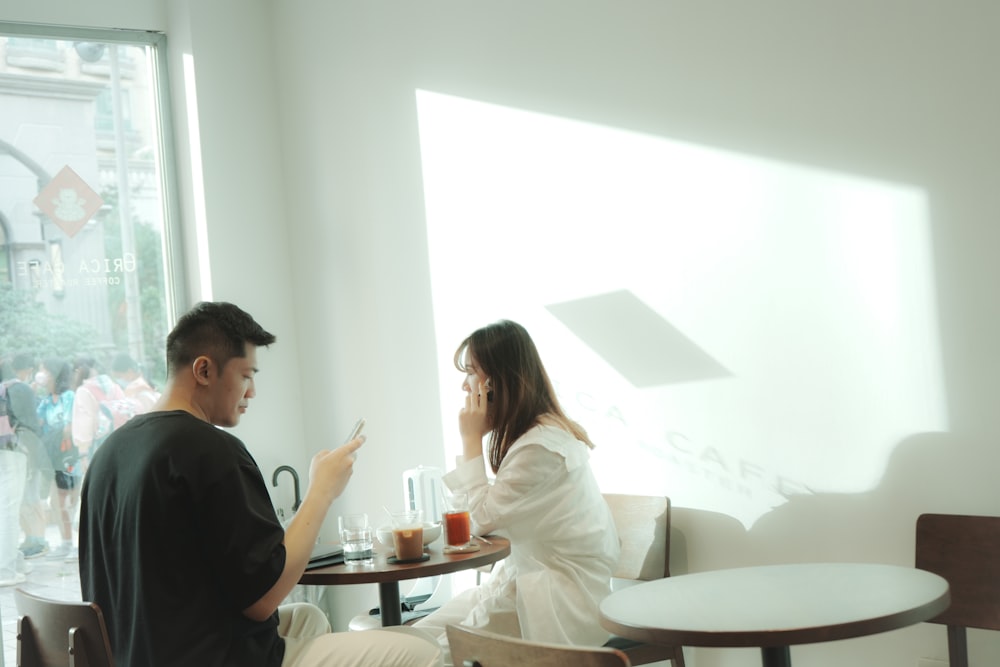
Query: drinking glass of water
{"points": [[356, 536]]}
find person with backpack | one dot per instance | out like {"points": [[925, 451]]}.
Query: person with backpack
{"points": [[21, 406], [13, 475], [6, 432], [56, 413], [105, 401], [95, 406]]}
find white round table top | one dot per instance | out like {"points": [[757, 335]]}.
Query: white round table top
{"points": [[775, 605]]}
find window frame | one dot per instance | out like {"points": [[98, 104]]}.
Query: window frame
{"points": [[173, 256]]}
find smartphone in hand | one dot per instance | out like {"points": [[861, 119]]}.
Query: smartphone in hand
{"points": [[356, 431]]}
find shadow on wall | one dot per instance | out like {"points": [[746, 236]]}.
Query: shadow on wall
{"points": [[928, 472]]}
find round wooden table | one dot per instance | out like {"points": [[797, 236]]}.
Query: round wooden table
{"points": [[775, 606], [388, 575]]}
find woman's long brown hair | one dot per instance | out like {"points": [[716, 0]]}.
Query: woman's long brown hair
{"points": [[521, 390]]}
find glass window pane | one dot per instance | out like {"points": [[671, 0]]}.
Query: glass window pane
{"points": [[84, 269]]}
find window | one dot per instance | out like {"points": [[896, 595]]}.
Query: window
{"points": [[85, 195], [105, 118]]}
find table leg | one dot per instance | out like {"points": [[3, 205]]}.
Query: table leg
{"points": [[775, 656], [388, 602]]}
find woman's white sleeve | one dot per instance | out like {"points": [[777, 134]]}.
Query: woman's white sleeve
{"points": [[525, 476]]}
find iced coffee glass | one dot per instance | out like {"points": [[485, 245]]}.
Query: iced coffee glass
{"points": [[408, 535]]}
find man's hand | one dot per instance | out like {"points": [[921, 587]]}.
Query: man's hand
{"points": [[329, 473], [331, 469]]}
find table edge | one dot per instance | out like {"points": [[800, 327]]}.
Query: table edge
{"points": [[782, 637], [338, 575], [794, 636]]}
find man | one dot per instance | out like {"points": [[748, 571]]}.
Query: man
{"points": [[179, 543], [17, 400], [22, 407]]}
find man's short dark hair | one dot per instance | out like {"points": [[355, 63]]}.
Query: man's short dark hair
{"points": [[219, 330]]}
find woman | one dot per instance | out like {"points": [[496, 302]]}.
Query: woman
{"points": [[544, 499], [56, 378]]}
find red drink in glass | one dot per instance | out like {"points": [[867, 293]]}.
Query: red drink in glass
{"points": [[458, 528]]}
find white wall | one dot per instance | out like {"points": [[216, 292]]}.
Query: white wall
{"points": [[309, 143], [243, 205], [894, 91]]}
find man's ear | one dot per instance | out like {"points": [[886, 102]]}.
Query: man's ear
{"points": [[202, 367]]}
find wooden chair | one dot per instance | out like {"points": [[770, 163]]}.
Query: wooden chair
{"points": [[56, 633], [643, 524], [965, 550], [478, 648]]}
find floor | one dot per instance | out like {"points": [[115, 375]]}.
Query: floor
{"points": [[59, 579], [56, 578]]}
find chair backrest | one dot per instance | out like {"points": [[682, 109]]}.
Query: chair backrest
{"points": [[57, 633], [643, 524], [965, 550], [478, 648]]}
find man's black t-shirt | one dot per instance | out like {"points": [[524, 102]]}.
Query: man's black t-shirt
{"points": [[177, 537]]}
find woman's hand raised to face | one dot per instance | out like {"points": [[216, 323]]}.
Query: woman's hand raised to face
{"points": [[331, 469], [473, 420]]}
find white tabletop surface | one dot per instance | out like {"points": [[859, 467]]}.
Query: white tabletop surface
{"points": [[775, 605]]}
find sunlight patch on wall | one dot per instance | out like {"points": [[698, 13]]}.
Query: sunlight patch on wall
{"points": [[729, 329]]}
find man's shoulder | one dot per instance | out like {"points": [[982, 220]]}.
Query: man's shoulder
{"points": [[185, 430], [188, 443], [169, 425]]}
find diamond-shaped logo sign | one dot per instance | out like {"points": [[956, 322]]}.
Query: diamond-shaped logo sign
{"points": [[68, 201]]}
